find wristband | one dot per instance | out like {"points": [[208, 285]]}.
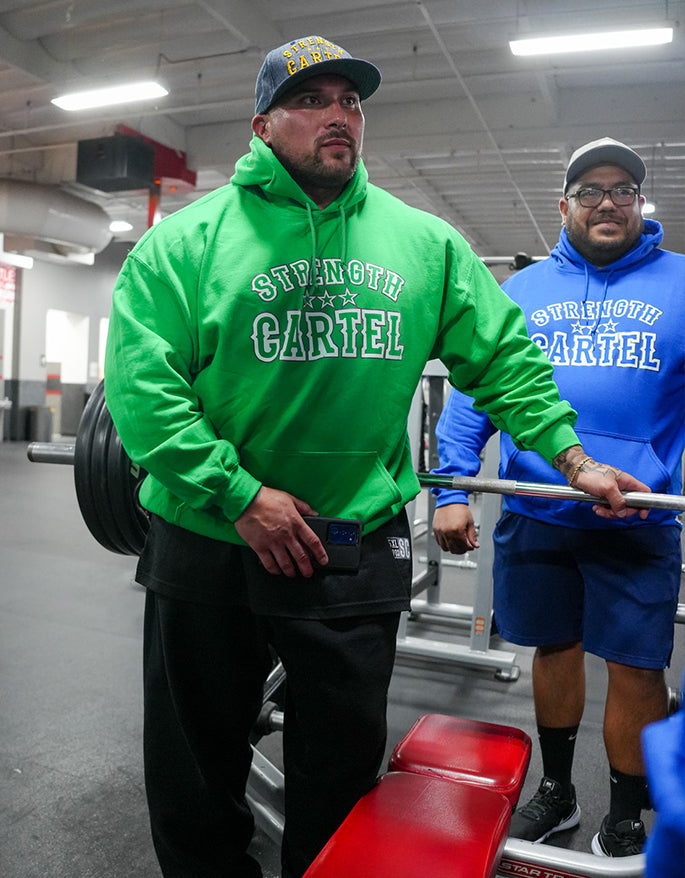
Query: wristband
{"points": [[574, 474]]}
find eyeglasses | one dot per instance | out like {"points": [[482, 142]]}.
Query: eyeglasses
{"points": [[621, 196]]}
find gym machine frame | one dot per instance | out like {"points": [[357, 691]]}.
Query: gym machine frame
{"points": [[478, 618]]}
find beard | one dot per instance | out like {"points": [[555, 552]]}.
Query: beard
{"points": [[312, 172], [601, 251]]}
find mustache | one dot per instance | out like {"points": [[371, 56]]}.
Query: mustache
{"points": [[605, 215], [336, 135]]}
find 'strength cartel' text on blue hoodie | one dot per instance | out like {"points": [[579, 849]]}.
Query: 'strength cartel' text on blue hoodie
{"points": [[616, 339]]}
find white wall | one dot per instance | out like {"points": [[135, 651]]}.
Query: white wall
{"points": [[67, 339], [85, 292]]}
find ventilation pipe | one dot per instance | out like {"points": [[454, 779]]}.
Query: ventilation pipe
{"points": [[46, 219]]}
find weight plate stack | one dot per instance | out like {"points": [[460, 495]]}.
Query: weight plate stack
{"points": [[107, 481]]}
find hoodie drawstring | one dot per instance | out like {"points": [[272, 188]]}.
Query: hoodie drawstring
{"points": [[343, 244], [343, 236], [312, 264], [600, 304]]}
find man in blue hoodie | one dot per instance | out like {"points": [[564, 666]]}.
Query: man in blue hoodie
{"points": [[608, 308]]}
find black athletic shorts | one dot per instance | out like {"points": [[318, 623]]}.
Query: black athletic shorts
{"points": [[180, 564]]}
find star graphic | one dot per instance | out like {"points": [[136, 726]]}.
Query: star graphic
{"points": [[577, 328], [308, 301], [609, 326], [327, 301], [347, 298]]}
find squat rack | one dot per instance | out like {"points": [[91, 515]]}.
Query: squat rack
{"points": [[477, 652]]}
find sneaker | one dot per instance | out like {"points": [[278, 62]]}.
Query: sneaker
{"points": [[546, 813], [625, 839]]}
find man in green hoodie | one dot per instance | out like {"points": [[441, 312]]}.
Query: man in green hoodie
{"points": [[264, 348]]}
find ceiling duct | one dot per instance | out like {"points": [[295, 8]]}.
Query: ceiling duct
{"points": [[119, 163], [36, 215], [171, 172], [128, 161]]}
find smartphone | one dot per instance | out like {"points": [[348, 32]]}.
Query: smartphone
{"points": [[341, 538]]}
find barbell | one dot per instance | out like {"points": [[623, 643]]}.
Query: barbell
{"points": [[107, 481], [477, 485]]}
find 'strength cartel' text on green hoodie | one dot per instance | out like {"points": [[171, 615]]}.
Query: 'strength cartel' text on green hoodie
{"points": [[256, 339]]}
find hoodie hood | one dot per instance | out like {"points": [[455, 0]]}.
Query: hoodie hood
{"points": [[261, 168], [567, 256]]}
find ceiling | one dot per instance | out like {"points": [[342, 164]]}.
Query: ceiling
{"points": [[459, 127]]}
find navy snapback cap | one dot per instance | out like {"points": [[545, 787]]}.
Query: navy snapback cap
{"points": [[311, 56]]}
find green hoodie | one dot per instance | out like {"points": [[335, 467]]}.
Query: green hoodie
{"points": [[256, 339]]}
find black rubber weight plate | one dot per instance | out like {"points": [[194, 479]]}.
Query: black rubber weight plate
{"points": [[83, 479], [107, 482]]}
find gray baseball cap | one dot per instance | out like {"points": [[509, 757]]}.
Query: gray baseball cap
{"points": [[605, 151], [293, 62]]}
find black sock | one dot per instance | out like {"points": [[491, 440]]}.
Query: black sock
{"points": [[557, 747], [629, 796]]}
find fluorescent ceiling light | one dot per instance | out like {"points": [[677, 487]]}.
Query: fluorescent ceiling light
{"points": [[105, 97], [622, 39], [648, 208], [120, 226]]}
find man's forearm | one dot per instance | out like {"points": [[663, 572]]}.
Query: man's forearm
{"points": [[571, 461], [567, 459], [578, 467]]}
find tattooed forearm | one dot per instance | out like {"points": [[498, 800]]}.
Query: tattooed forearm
{"points": [[568, 459], [572, 461]]}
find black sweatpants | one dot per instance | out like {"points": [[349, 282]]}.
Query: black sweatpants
{"points": [[204, 668]]}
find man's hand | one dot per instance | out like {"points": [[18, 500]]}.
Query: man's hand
{"points": [[600, 480], [272, 525], [454, 530]]}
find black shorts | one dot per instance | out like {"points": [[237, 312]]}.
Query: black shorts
{"points": [[180, 564]]}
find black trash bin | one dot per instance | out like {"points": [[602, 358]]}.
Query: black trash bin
{"points": [[40, 423]]}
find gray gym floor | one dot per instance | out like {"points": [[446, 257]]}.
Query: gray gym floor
{"points": [[72, 801]]}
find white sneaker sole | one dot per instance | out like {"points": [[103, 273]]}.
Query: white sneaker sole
{"points": [[596, 847], [569, 823]]}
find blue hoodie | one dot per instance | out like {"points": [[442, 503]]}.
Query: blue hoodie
{"points": [[616, 339]]}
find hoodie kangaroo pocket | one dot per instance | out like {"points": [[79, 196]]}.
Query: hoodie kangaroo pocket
{"points": [[632, 455], [346, 484]]}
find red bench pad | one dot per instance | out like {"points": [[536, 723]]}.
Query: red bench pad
{"points": [[410, 825], [489, 755]]}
